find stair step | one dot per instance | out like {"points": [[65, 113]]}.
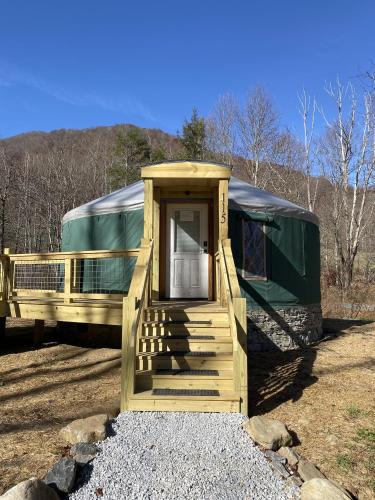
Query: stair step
{"points": [[183, 403], [182, 345], [181, 337], [201, 354], [185, 330], [185, 316], [189, 360], [227, 401], [185, 392], [177, 323], [181, 378], [187, 373], [223, 395]]}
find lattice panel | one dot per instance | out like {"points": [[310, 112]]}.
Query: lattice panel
{"points": [[42, 276], [254, 261]]}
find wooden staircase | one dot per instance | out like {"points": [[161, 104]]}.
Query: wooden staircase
{"points": [[184, 355], [185, 359]]}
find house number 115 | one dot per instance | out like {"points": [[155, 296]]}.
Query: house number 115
{"points": [[223, 214]]}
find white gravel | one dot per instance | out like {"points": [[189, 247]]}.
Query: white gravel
{"points": [[177, 456]]}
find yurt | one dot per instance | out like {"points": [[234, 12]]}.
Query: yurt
{"points": [[275, 245]]}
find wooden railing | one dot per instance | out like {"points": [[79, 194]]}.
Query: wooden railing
{"points": [[134, 305], [65, 276], [229, 294]]}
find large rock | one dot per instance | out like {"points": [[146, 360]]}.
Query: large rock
{"points": [[62, 475], [289, 454], [86, 430], [269, 433], [83, 453], [31, 489], [309, 471], [322, 489]]}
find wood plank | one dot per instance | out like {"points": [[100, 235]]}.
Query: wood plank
{"points": [[186, 170], [219, 362], [183, 405], [194, 193], [92, 254], [166, 331], [191, 383], [240, 359], [67, 281], [231, 269], [127, 352], [100, 314]]}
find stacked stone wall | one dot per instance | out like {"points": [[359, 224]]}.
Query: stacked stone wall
{"points": [[284, 329]]}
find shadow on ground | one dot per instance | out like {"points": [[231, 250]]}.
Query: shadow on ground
{"points": [[277, 377]]}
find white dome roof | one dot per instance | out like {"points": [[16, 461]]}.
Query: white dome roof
{"points": [[241, 196]]}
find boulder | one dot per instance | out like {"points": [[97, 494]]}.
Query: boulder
{"points": [[275, 457], [83, 453], [84, 449], [291, 456], [269, 433], [86, 430], [31, 489], [62, 475], [308, 471], [319, 489]]}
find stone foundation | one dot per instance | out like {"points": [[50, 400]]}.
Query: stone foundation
{"points": [[283, 329]]}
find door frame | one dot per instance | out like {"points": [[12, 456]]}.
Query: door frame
{"points": [[163, 241]]}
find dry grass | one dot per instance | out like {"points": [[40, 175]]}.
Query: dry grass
{"points": [[319, 392], [356, 303], [326, 391]]}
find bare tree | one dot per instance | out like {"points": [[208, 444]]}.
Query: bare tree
{"points": [[348, 152], [307, 110], [258, 132], [222, 129]]}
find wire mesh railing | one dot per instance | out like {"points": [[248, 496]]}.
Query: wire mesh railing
{"points": [[68, 275]]}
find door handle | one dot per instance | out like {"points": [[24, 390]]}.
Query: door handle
{"points": [[205, 243]]}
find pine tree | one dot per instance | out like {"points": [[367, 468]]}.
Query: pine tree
{"points": [[131, 150], [194, 137]]}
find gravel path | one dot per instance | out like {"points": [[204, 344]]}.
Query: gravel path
{"points": [[180, 456]]}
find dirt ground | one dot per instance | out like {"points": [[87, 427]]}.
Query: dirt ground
{"points": [[325, 394]]}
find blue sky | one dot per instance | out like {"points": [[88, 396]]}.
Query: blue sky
{"points": [[83, 63]]}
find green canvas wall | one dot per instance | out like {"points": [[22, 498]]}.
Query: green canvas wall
{"points": [[292, 261]]}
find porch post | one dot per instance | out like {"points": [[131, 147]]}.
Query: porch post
{"points": [[223, 209], [156, 248], [148, 210]]}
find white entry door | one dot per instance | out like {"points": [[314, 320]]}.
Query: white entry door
{"points": [[187, 251]]}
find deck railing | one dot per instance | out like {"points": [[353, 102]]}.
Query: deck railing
{"points": [[229, 294], [67, 276], [134, 305]]}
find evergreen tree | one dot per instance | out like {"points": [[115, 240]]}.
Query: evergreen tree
{"points": [[194, 137], [131, 150]]}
